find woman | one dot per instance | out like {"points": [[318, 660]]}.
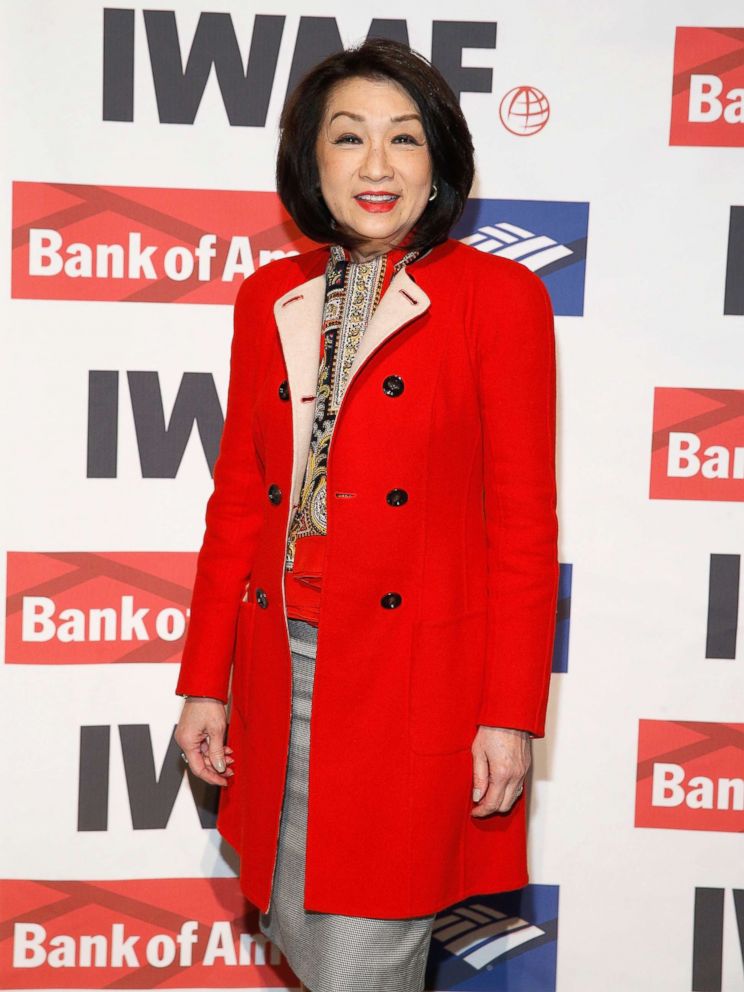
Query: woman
{"points": [[395, 604]]}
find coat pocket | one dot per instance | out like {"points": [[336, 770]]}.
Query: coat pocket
{"points": [[242, 655], [447, 667]]}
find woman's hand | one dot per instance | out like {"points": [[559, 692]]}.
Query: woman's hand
{"points": [[201, 736], [501, 759]]}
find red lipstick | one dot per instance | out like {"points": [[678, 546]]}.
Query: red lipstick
{"points": [[375, 205]]}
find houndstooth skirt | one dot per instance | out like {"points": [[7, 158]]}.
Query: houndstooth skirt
{"points": [[329, 952]]}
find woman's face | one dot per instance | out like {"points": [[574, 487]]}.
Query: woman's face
{"points": [[371, 142]]}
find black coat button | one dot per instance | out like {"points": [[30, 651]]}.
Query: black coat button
{"points": [[261, 598], [397, 497], [392, 385], [284, 390], [275, 493], [391, 599]]}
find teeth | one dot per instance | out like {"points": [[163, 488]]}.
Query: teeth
{"points": [[376, 197]]}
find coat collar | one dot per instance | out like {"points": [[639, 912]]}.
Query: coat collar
{"points": [[298, 314]]}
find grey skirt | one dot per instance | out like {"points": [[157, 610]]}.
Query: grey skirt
{"points": [[329, 952]]}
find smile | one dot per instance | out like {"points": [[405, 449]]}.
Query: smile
{"points": [[377, 201]]}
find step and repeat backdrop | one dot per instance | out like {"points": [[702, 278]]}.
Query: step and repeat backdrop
{"points": [[137, 192]]}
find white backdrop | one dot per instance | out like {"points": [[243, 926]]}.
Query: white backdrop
{"points": [[653, 317]]}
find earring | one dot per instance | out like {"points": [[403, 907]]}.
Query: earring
{"points": [[435, 191]]}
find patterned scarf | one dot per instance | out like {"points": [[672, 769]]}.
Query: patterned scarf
{"points": [[353, 290]]}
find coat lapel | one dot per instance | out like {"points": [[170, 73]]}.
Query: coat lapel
{"points": [[298, 315]]}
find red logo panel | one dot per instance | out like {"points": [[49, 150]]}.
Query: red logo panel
{"points": [[135, 934], [75, 607], [708, 88], [698, 444], [143, 245], [690, 775]]}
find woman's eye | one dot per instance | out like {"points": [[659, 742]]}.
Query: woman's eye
{"points": [[353, 139]]}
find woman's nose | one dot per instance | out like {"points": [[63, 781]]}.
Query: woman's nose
{"points": [[376, 164]]}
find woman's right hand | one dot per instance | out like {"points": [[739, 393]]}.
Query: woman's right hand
{"points": [[201, 736]]}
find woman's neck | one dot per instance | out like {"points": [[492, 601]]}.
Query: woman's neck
{"points": [[367, 255], [371, 250]]}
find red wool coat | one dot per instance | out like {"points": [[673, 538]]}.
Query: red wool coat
{"points": [[437, 614]]}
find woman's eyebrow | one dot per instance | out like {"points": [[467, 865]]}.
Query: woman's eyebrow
{"points": [[359, 117]]}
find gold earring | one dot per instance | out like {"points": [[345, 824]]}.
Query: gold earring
{"points": [[433, 195]]}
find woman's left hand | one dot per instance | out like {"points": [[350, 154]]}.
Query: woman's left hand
{"points": [[501, 760]]}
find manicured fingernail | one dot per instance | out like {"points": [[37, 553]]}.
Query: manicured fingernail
{"points": [[476, 795], [219, 765]]}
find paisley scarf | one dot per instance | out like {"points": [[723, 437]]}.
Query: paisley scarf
{"points": [[353, 290]]}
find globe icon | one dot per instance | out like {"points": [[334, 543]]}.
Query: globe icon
{"points": [[524, 110]]}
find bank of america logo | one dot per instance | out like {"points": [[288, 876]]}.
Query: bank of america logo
{"points": [[479, 934], [547, 236], [496, 942], [563, 618], [533, 250]]}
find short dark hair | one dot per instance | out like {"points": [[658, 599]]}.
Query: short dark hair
{"points": [[447, 134]]}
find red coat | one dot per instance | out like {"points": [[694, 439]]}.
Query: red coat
{"points": [[451, 397]]}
